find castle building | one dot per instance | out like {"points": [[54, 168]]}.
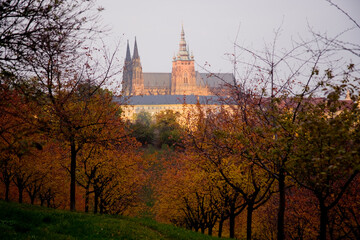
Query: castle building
{"points": [[180, 91], [183, 80], [156, 92]]}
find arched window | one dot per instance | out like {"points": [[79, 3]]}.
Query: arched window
{"points": [[137, 76], [186, 78]]}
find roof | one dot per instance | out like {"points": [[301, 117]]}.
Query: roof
{"points": [[157, 80], [163, 80], [215, 80], [170, 99]]}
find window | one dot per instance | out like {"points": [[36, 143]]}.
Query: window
{"points": [[186, 78]]}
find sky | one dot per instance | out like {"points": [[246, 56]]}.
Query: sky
{"points": [[213, 26]]}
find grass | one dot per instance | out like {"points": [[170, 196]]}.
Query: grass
{"points": [[23, 221]]}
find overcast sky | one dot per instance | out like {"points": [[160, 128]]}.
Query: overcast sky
{"points": [[211, 26]]}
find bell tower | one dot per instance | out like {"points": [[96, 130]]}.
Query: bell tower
{"points": [[183, 81]]}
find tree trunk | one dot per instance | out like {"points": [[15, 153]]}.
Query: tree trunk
{"points": [[323, 219], [281, 211], [32, 198], [7, 190], [101, 205], [6, 180], [232, 223], [210, 231], [96, 201], [250, 210], [221, 223], [300, 232], [21, 190], [32, 194], [72, 175], [87, 193]]}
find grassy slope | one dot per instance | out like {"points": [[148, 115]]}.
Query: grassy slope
{"points": [[22, 221]]}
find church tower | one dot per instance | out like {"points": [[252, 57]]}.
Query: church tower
{"points": [[137, 74], [133, 79], [127, 73], [183, 81]]}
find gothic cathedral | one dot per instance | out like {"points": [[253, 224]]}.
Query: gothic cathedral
{"points": [[183, 80]]}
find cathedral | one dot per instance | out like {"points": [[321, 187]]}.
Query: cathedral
{"points": [[183, 80]]}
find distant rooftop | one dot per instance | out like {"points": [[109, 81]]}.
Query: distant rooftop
{"points": [[163, 80]]}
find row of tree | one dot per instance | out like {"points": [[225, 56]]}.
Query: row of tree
{"points": [[232, 161], [37, 152], [56, 119], [284, 142]]}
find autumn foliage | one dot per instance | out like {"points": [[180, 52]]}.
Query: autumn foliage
{"points": [[260, 163]]}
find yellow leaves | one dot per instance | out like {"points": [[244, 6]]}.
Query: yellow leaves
{"points": [[315, 71]]}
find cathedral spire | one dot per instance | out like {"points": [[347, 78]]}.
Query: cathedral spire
{"points": [[137, 77], [182, 32], [183, 53], [136, 54], [128, 56], [127, 73]]}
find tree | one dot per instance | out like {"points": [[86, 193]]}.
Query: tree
{"points": [[185, 195], [82, 122], [110, 165], [29, 28], [143, 129], [43, 46], [269, 96], [217, 140], [167, 129], [17, 139], [228, 204], [46, 184], [114, 174], [344, 219], [326, 159]]}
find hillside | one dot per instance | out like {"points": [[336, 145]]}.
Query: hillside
{"points": [[22, 221]]}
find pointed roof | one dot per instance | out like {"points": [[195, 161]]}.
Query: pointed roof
{"points": [[183, 53], [128, 56], [136, 53]]}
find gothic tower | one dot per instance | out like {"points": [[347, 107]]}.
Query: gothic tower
{"points": [[137, 74], [133, 79], [127, 73], [183, 81]]}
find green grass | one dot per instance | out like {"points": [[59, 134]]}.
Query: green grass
{"points": [[23, 221]]}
